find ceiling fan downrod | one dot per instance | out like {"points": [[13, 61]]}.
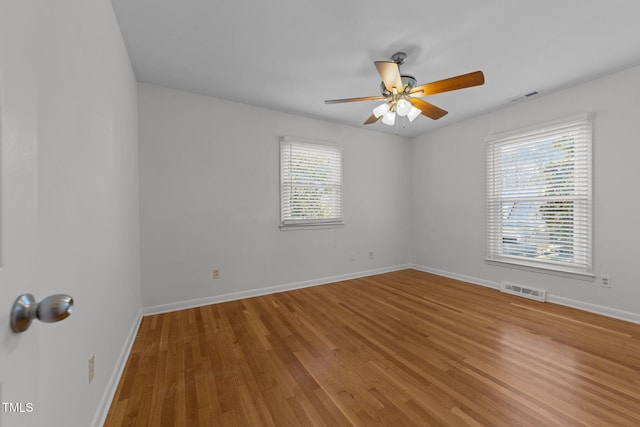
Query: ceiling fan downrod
{"points": [[399, 58]]}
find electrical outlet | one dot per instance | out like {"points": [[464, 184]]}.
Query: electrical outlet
{"points": [[371, 254], [605, 281], [215, 273], [92, 367]]}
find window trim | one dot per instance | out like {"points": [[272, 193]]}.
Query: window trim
{"points": [[496, 258], [311, 224]]}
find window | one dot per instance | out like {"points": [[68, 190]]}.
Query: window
{"points": [[310, 184], [539, 197]]}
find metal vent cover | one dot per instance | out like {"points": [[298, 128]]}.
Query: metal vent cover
{"points": [[523, 291]]}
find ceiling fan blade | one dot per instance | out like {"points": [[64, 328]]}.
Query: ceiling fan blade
{"points": [[364, 98], [427, 109], [454, 83], [372, 119], [390, 73]]}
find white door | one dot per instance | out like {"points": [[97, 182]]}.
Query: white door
{"points": [[19, 353]]}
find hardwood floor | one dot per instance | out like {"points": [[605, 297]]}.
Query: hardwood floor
{"points": [[398, 349]]}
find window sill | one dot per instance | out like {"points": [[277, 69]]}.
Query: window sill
{"points": [[540, 269], [293, 227]]}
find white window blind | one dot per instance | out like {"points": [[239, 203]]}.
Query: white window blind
{"points": [[310, 184], [539, 203]]}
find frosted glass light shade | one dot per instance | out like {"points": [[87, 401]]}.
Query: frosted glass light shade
{"points": [[403, 107], [413, 113], [389, 118], [381, 109]]}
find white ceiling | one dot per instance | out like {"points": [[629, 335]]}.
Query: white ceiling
{"points": [[291, 55]]}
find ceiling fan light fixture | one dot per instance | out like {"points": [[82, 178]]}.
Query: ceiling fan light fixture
{"points": [[389, 118], [403, 107], [413, 113], [381, 109]]}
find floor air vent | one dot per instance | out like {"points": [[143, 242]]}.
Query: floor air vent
{"points": [[523, 291]]}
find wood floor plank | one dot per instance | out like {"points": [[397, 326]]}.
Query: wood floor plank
{"points": [[403, 348]]}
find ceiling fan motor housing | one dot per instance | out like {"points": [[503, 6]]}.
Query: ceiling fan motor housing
{"points": [[408, 81]]}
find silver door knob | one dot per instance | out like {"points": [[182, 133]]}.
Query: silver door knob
{"points": [[51, 309]]}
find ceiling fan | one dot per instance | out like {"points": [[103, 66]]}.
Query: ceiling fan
{"points": [[401, 94]]}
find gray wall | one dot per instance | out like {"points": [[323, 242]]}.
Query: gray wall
{"points": [[209, 185], [209, 177], [449, 187]]}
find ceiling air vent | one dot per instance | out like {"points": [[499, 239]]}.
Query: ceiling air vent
{"points": [[525, 96], [523, 291]]}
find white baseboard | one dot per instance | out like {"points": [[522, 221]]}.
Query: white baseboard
{"points": [[462, 277], [165, 308], [110, 391], [594, 308], [580, 305]]}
